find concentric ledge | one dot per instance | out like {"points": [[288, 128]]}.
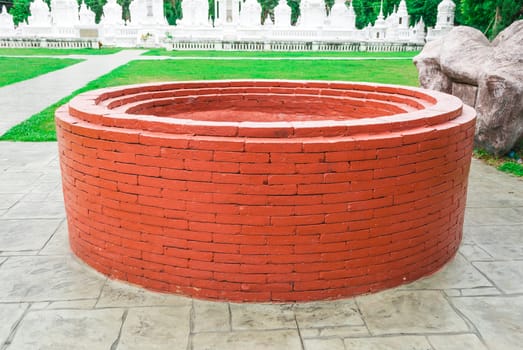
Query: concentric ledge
{"points": [[265, 190]]}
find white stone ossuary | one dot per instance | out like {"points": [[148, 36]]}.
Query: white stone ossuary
{"points": [[238, 25]]}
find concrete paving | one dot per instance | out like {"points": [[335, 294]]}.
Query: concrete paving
{"points": [[51, 300], [23, 99]]}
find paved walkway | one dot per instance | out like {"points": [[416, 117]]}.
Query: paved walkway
{"points": [[26, 98], [51, 300]]}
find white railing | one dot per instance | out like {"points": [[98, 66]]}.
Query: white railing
{"points": [[190, 45], [47, 43], [283, 46], [67, 43], [291, 46]]}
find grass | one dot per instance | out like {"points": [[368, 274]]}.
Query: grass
{"points": [[393, 72], [55, 52], [40, 127], [163, 52], [507, 164], [512, 168], [16, 69]]}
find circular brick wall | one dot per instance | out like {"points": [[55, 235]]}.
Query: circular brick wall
{"points": [[265, 190]]}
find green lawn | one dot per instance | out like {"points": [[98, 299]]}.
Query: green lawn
{"points": [[40, 127], [55, 52], [13, 69], [393, 72], [163, 52]]}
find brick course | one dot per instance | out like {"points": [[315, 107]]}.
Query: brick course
{"points": [[265, 190]]}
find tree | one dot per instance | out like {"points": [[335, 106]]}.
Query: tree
{"points": [[507, 12], [126, 14], [328, 5], [212, 15], [295, 10], [173, 10], [20, 11], [490, 16], [267, 9], [366, 11], [97, 7], [430, 12]]}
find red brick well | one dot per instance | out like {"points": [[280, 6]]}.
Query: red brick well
{"points": [[265, 190]]}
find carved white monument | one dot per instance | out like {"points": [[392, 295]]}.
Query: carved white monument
{"points": [[398, 24], [147, 12], [341, 16], [86, 16], [195, 14], [282, 14], [227, 12], [417, 33], [112, 14], [64, 13], [250, 14], [379, 30], [446, 11], [237, 25], [6, 22], [403, 15], [313, 14], [445, 20], [40, 14]]}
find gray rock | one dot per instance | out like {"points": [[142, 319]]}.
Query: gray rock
{"points": [[430, 74], [463, 53], [485, 75]]}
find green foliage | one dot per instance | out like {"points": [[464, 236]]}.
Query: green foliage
{"points": [[366, 10], [512, 168], [490, 16], [328, 5], [212, 15], [267, 9], [508, 163], [481, 153], [295, 10], [97, 7], [126, 14], [430, 12], [20, 11], [172, 10]]}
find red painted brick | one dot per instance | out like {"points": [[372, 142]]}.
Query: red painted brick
{"points": [[285, 212]]}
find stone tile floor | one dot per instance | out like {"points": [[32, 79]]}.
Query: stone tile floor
{"points": [[51, 300]]}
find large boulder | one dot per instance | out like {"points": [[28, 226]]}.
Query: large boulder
{"points": [[486, 75]]}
